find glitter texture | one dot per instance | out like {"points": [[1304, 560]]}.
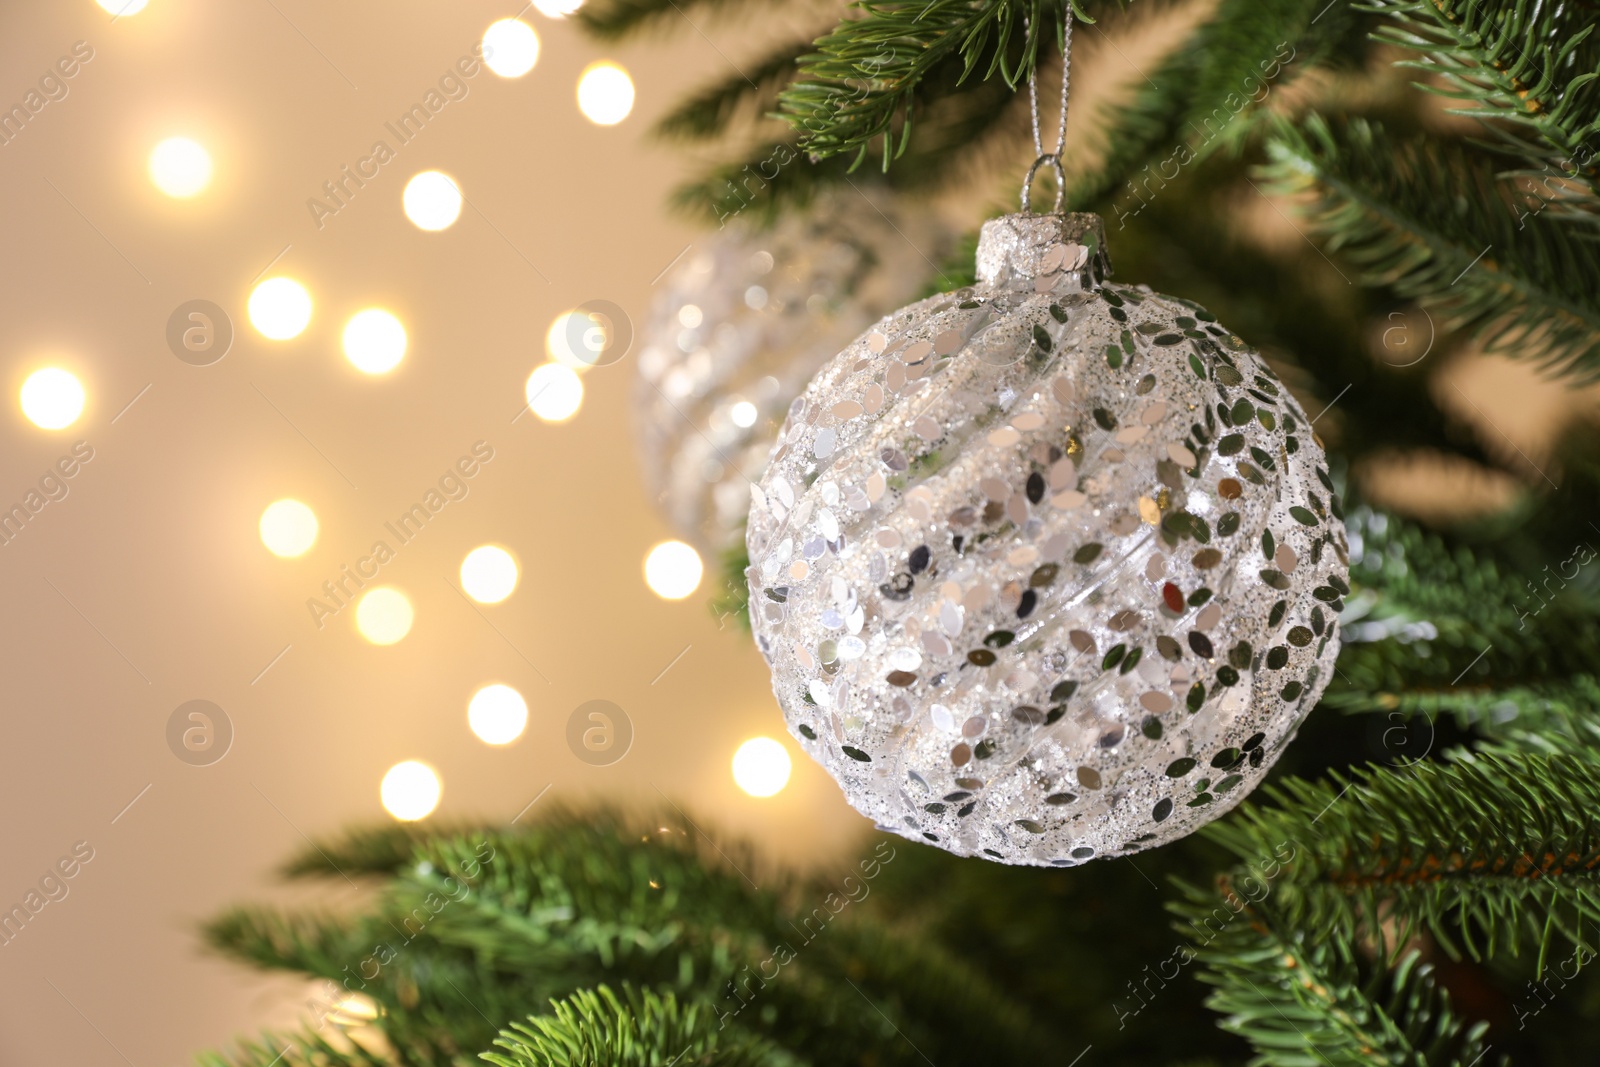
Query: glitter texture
{"points": [[1046, 569], [743, 322]]}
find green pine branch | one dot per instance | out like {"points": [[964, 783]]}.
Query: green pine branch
{"points": [[1251, 49], [1558, 717], [365, 850], [1428, 614], [488, 925], [1486, 855], [1302, 1002], [771, 178], [299, 1049], [614, 20], [1431, 221], [656, 911], [708, 113], [859, 85], [1529, 71], [952, 139], [313, 943], [639, 1028]]}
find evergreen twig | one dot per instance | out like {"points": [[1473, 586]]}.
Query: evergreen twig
{"points": [[1431, 221], [1529, 71], [1485, 855], [1302, 1002]]}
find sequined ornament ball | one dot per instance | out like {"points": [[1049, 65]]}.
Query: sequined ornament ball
{"points": [[740, 326], [1046, 569]]}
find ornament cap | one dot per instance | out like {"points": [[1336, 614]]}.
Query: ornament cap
{"points": [[1019, 248]]}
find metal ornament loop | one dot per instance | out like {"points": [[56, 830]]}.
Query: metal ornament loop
{"points": [[1054, 159]]}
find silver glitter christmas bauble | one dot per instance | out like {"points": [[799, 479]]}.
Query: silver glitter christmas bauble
{"points": [[743, 323], [1047, 568]]}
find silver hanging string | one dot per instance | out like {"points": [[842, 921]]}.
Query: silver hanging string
{"points": [[1051, 158]]}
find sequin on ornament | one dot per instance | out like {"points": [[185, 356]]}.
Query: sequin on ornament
{"points": [[1095, 595]]}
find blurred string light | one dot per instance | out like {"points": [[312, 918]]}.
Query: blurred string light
{"points": [[510, 48], [672, 570], [497, 714], [280, 308], [374, 341], [557, 9], [356, 1009], [575, 340], [432, 200], [410, 790], [52, 399], [489, 574], [384, 615], [555, 393], [288, 528], [123, 7], [181, 168], [605, 93], [761, 767]]}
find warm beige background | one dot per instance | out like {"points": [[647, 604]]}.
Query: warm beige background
{"points": [[162, 591], [156, 544]]}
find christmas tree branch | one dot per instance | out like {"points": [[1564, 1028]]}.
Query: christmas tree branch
{"points": [[300, 1049], [1251, 48], [859, 85], [639, 1028], [613, 20], [957, 125], [1483, 854], [1432, 222], [1301, 1001], [369, 849], [708, 113], [1430, 614], [308, 942], [1530, 72], [1558, 717]]}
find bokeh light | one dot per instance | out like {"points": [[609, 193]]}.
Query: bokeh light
{"points": [[354, 1009], [280, 308], [410, 790], [123, 7], [432, 200], [181, 168], [761, 767], [510, 48], [575, 340], [374, 341], [605, 93], [488, 574], [557, 9], [497, 714], [672, 570], [288, 528], [743, 414], [52, 399], [384, 615], [555, 392]]}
